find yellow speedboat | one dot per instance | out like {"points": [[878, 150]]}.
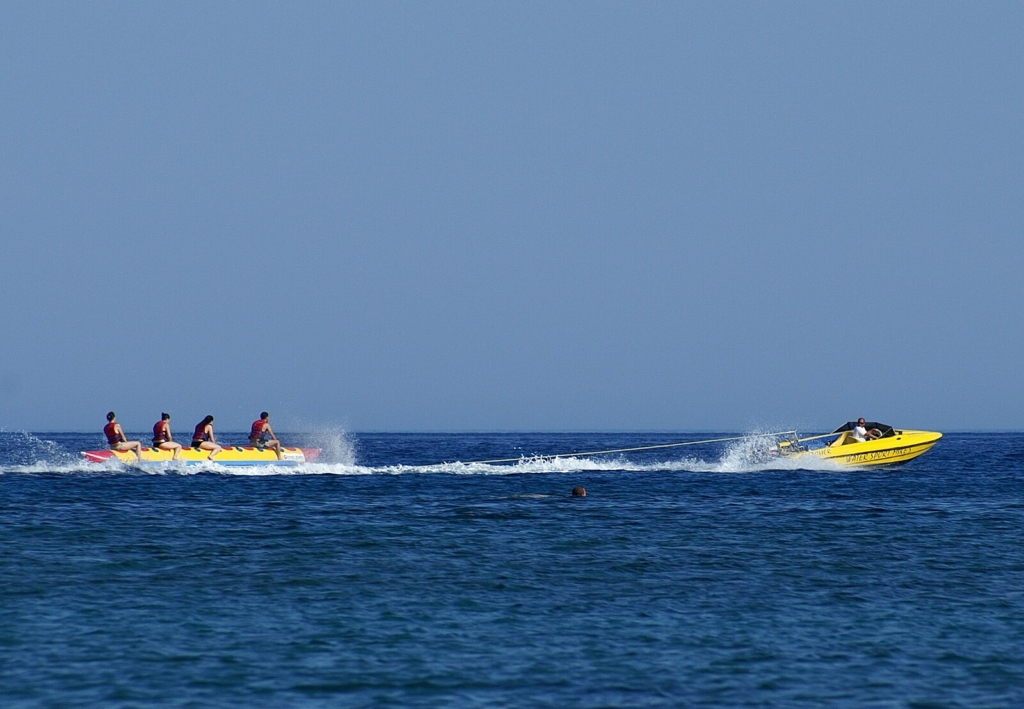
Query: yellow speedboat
{"points": [[231, 455], [892, 447]]}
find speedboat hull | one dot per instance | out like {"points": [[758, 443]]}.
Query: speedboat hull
{"points": [[231, 455], [899, 447]]}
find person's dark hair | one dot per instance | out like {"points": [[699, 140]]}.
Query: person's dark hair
{"points": [[164, 416], [264, 415], [208, 419], [110, 416]]}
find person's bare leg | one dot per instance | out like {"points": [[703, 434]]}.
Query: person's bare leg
{"points": [[212, 447], [134, 446], [171, 446]]}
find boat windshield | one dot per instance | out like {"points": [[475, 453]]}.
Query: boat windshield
{"points": [[885, 428]]}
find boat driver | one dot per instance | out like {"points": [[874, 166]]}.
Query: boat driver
{"points": [[862, 434], [262, 435], [116, 438]]}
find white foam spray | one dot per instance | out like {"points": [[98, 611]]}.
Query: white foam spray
{"points": [[335, 444]]}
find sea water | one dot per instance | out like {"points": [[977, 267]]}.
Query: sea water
{"points": [[397, 572]]}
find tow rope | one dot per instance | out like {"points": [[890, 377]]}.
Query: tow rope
{"points": [[630, 450]]}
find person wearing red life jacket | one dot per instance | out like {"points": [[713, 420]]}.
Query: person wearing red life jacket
{"points": [[116, 438], [203, 438], [162, 438], [262, 435]]}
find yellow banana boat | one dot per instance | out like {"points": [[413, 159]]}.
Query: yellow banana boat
{"points": [[231, 455], [893, 446]]}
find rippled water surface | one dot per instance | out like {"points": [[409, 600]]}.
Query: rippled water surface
{"points": [[397, 573]]}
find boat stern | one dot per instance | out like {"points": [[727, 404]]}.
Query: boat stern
{"points": [[98, 456]]}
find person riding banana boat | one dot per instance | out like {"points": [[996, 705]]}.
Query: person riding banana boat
{"points": [[203, 438], [262, 435], [162, 437], [116, 438]]}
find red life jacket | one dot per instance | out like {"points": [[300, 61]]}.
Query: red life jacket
{"points": [[199, 434], [258, 431], [110, 431], [161, 432]]}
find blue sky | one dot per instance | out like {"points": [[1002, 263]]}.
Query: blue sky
{"points": [[518, 216]]}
